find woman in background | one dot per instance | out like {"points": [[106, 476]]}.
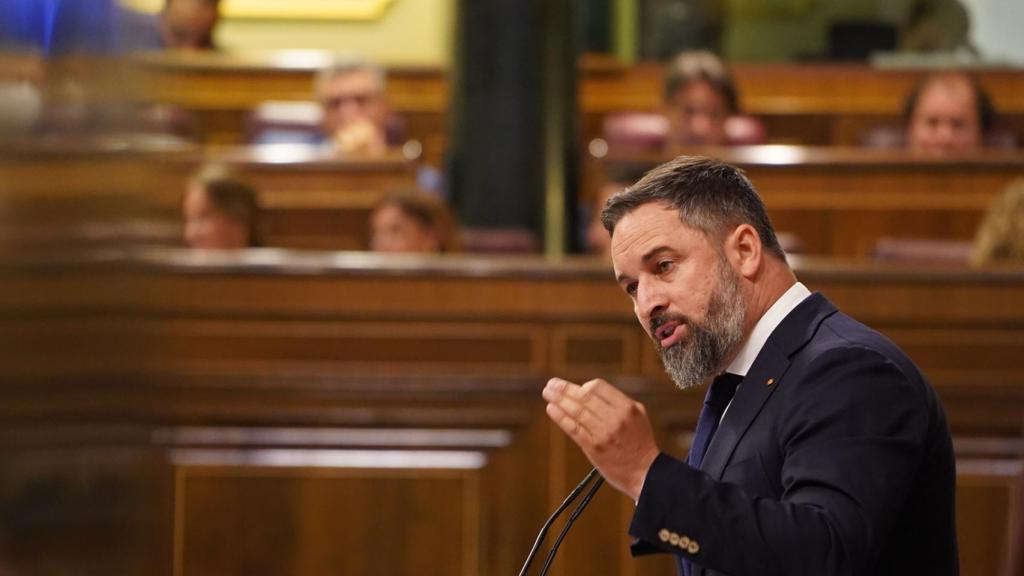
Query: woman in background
{"points": [[221, 212], [413, 222]]}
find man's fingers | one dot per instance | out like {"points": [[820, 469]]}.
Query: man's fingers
{"points": [[591, 395], [567, 423], [606, 393], [581, 412]]}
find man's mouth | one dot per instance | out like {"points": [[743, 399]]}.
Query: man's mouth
{"points": [[668, 333]]}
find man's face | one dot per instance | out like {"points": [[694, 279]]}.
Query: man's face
{"points": [[685, 295], [698, 113], [188, 24], [352, 98], [945, 120]]}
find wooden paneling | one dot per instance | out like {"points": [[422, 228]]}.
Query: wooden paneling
{"points": [[311, 520], [300, 413], [988, 514]]}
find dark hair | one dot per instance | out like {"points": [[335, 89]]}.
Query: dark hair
{"points": [[430, 212], [983, 106], [691, 66], [232, 196], [710, 195]]}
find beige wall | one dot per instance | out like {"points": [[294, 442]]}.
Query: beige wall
{"points": [[408, 32]]}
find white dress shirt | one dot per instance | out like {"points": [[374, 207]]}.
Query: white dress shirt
{"points": [[763, 329]]}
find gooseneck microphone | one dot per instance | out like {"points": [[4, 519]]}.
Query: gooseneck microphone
{"points": [[565, 529]]}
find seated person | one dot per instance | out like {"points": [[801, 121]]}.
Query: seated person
{"points": [[700, 108], [699, 97], [413, 222], [351, 112], [947, 113], [221, 212], [189, 24], [1000, 237], [180, 25], [355, 107]]}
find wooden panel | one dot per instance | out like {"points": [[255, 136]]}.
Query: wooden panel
{"points": [[230, 81], [247, 379], [248, 347], [592, 350], [989, 515], [320, 521]]}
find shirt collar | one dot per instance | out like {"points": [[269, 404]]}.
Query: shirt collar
{"points": [[765, 326]]}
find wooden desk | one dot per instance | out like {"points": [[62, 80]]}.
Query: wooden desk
{"points": [[308, 411], [220, 90], [810, 104], [314, 199], [800, 104], [840, 201], [72, 191]]}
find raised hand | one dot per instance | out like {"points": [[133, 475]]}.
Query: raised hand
{"points": [[612, 429]]}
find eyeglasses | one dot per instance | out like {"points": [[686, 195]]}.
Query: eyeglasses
{"points": [[361, 100]]}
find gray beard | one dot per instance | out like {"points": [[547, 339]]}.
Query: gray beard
{"points": [[703, 352]]}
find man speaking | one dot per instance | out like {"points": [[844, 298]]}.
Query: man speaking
{"points": [[820, 450]]}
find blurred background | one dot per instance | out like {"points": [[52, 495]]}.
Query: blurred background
{"points": [[280, 282]]}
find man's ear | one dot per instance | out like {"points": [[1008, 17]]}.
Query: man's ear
{"points": [[744, 251]]}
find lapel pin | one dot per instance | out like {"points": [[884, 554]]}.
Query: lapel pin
{"points": [[770, 382]]}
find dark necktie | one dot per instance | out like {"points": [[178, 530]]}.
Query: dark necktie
{"points": [[720, 393]]}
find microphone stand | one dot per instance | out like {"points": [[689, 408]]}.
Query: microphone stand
{"points": [[572, 518]]}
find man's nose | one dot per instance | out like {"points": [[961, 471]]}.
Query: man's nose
{"points": [[650, 300]]}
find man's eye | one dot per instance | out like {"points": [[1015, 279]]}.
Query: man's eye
{"points": [[631, 289], [664, 266]]}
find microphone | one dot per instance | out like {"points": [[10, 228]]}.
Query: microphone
{"points": [[572, 518]]}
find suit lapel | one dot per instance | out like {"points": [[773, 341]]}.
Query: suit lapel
{"points": [[770, 366], [764, 377]]}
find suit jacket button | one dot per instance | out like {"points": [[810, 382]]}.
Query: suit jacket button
{"points": [[693, 548], [684, 543], [664, 535], [673, 539]]}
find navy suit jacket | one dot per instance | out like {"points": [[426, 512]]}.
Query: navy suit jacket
{"points": [[834, 458]]}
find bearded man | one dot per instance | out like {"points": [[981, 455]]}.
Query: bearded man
{"points": [[820, 450]]}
